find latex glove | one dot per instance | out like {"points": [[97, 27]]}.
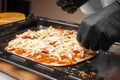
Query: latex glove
{"points": [[70, 6], [102, 29]]}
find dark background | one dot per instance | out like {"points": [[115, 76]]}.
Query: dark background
{"points": [[22, 6]]}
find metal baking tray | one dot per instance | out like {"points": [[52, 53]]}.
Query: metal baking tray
{"points": [[104, 66]]}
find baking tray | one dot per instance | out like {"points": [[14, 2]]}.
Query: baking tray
{"points": [[104, 66]]}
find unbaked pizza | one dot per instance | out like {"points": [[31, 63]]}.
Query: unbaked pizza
{"points": [[49, 46]]}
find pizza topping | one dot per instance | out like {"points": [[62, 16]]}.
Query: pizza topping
{"points": [[52, 43], [76, 51], [45, 52], [68, 37], [71, 32], [26, 37]]}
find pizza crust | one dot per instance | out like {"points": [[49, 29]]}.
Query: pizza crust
{"points": [[56, 64], [90, 55]]}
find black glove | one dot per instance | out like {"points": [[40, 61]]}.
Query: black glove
{"points": [[70, 5], [102, 29]]}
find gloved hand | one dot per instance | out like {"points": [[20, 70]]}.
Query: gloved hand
{"points": [[102, 29], [70, 5]]}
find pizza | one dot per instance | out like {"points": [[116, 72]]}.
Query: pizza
{"points": [[49, 46]]}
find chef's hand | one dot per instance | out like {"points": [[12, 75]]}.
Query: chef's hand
{"points": [[102, 29], [70, 6]]}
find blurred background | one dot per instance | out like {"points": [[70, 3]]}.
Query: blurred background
{"points": [[42, 8]]}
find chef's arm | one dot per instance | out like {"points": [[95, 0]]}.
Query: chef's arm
{"points": [[101, 29], [70, 5]]}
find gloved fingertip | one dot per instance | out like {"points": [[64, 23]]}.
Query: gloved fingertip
{"points": [[60, 3], [83, 44], [95, 48], [78, 37], [86, 45], [72, 10], [65, 8]]}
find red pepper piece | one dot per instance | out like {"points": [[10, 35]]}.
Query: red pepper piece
{"points": [[52, 43], [76, 51], [26, 37], [71, 32], [45, 52]]}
